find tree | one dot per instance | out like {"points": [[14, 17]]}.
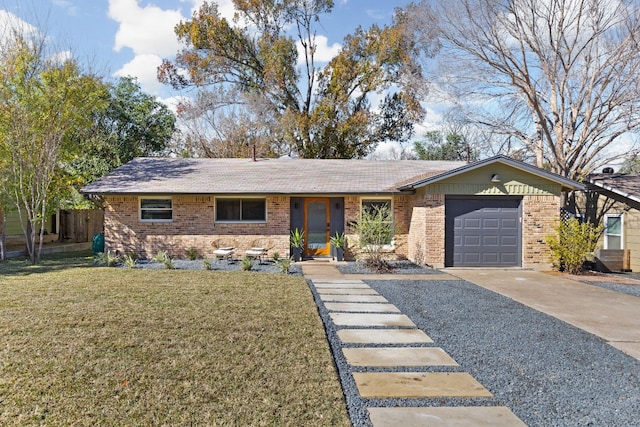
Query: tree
{"points": [[436, 146], [43, 98], [132, 124], [317, 112], [560, 77]]}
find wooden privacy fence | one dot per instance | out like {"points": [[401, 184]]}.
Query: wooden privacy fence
{"points": [[77, 226]]}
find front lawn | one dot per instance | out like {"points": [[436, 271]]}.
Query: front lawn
{"points": [[100, 346]]}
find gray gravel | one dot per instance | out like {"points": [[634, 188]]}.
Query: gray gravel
{"points": [[625, 289], [546, 371], [266, 267]]}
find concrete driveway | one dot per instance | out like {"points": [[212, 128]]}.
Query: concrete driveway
{"points": [[610, 315]]}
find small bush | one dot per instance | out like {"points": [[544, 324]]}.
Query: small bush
{"points": [[571, 244], [284, 265], [246, 264], [163, 258], [107, 259], [375, 230], [192, 253], [275, 256], [129, 261], [207, 264]]}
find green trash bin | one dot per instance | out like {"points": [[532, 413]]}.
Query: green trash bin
{"points": [[98, 243]]}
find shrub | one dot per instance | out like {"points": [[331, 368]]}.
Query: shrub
{"points": [[129, 261], [284, 265], [107, 259], [246, 264], [375, 230], [571, 244], [163, 258], [207, 264], [275, 256], [192, 253]]}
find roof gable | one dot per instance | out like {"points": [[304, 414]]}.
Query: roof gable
{"points": [[524, 167]]}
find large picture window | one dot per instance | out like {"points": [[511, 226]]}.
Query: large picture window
{"points": [[379, 209], [241, 210], [156, 209], [613, 232]]}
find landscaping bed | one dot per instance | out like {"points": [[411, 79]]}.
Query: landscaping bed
{"points": [[397, 267]]}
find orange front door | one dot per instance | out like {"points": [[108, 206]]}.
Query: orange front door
{"points": [[316, 227]]}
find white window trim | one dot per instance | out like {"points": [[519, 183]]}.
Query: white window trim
{"points": [[226, 221], [141, 198], [606, 231], [391, 246]]}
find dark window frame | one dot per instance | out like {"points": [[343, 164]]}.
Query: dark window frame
{"points": [[239, 213]]}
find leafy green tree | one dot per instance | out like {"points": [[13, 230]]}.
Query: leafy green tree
{"points": [[43, 99], [438, 147], [131, 124], [321, 111]]}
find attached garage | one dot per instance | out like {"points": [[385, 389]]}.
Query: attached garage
{"points": [[483, 231], [495, 212]]}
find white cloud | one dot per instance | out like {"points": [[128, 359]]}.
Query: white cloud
{"points": [[145, 30], [324, 52], [149, 32], [10, 22], [144, 68]]}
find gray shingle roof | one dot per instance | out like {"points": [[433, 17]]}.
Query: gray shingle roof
{"points": [[152, 175], [622, 187]]}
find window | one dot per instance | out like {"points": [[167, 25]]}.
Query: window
{"points": [[379, 235], [613, 231], [246, 210], [156, 209]]}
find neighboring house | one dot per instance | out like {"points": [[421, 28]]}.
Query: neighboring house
{"points": [[495, 212], [621, 221]]}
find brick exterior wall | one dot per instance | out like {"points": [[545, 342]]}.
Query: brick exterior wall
{"points": [[426, 230], [419, 222], [539, 217], [192, 226]]}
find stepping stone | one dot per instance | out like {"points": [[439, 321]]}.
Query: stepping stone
{"points": [[418, 384], [353, 298], [392, 356], [347, 291], [343, 281], [342, 285], [470, 416], [366, 319], [383, 336], [361, 307]]}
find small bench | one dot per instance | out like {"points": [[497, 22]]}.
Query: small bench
{"points": [[256, 253], [224, 253]]}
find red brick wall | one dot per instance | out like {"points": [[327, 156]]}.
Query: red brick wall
{"points": [[192, 226]]}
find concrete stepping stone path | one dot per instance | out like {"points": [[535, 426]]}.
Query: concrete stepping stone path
{"points": [[376, 335]]}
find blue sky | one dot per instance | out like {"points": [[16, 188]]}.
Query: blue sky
{"points": [[130, 37]]}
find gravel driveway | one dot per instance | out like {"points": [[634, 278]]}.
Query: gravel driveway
{"points": [[547, 372]]}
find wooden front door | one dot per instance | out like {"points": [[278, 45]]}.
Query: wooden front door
{"points": [[316, 227]]}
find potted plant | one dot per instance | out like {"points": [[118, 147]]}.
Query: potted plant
{"points": [[338, 241], [297, 243]]}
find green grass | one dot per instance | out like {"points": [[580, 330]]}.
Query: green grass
{"points": [[97, 346]]}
